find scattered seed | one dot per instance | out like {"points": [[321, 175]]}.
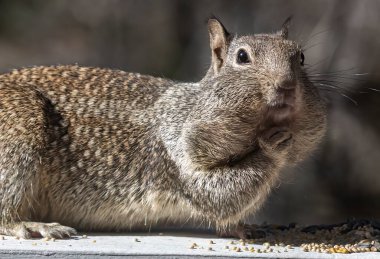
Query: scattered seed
{"points": [[226, 247], [84, 236], [210, 248], [2, 238], [93, 241], [356, 236], [238, 249], [211, 242], [137, 240]]}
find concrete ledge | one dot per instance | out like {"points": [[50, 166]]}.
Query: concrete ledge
{"points": [[167, 245]]}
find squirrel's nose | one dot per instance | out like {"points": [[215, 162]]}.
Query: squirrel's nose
{"points": [[285, 83]]}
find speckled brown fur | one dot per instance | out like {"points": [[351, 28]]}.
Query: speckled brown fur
{"points": [[99, 149]]}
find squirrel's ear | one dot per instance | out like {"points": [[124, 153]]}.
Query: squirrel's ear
{"points": [[285, 28], [218, 43]]}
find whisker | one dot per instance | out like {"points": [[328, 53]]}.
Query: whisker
{"points": [[312, 46], [333, 90], [337, 77], [373, 89], [349, 98], [308, 66], [314, 35]]}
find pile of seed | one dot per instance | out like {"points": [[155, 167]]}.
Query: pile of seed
{"points": [[352, 236]]}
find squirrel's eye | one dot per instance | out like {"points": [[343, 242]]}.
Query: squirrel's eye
{"points": [[242, 57], [302, 59]]}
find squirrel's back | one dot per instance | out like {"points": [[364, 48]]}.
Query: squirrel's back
{"points": [[88, 87]]}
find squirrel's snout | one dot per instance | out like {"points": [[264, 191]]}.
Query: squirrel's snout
{"points": [[285, 83]]}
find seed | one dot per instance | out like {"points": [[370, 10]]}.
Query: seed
{"points": [[238, 249], [259, 250], [1, 238], [211, 242], [53, 239], [343, 250], [210, 248], [231, 242], [234, 248], [84, 236], [246, 249], [137, 240], [226, 247], [160, 234], [34, 244], [193, 246], [93, 241], [373, 249], [242, 243], [46, 239]]}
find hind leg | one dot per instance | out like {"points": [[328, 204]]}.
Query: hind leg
{"points": [[24, 136]]}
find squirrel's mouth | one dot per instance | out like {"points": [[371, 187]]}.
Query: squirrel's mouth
{"points": [[282, 108]]}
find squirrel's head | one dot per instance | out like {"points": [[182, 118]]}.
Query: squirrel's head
{"points": [[266, 66]]}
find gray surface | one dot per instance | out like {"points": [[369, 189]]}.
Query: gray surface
{"points": [[168, 245]]}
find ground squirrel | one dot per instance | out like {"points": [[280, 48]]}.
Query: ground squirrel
{"points": [[105, 150]]}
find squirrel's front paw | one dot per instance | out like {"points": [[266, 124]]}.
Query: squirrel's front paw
{"points": [[276, 138], [28, 230]]}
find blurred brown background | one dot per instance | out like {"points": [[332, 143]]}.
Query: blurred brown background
{"points": [[169, 38]]}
